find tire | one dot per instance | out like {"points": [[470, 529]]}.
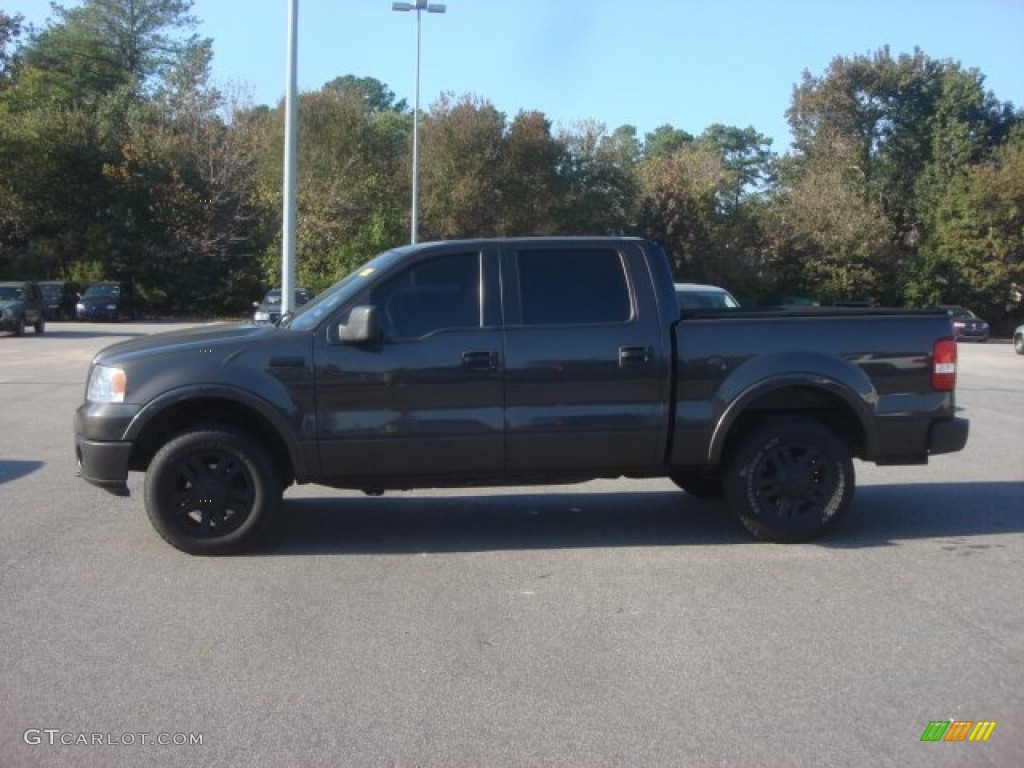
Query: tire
{"points": [[1018, 344], [704, 484], [213, 491], [40, 324], [19, 326], [790, 480]]}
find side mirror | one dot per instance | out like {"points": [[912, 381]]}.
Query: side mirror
{"points": [[255, 305], [363, 326]]}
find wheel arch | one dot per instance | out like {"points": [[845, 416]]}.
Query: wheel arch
{"points": [[823, 399], [187, 409]]}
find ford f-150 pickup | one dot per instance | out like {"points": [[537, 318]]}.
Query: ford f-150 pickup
{"points": [[517, 361]]}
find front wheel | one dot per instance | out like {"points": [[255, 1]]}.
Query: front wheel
{"points": [[213, 491], [1018, 344], [790, 480]]}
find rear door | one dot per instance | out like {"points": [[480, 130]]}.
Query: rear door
{"points": [[587, 370]]}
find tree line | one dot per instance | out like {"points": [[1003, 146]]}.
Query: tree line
{"points": [[119, 157]]}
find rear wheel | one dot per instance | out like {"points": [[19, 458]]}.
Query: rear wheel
{"points": [[790, 480], [213, 491]]}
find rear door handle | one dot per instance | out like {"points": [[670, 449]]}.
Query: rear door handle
{"points": [[633, 356], [480, 360]]}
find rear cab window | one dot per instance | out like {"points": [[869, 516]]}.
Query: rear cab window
{"points": [[579, 286]]}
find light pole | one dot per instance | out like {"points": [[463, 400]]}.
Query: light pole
{"points": [[419, 6], [291, 113]]}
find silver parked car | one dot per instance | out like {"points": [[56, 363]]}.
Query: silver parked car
{"points": [[269, 309], [697, 296]]}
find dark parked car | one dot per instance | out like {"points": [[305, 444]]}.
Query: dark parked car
{"points": [[60, 297], [269, 310], [21, 304], [107, 300], [967, 326], [697, 296]]}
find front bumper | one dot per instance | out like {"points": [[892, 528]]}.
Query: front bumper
{"points": [[104, 464], [948, 436], [103, 455], [8, 322], [95, 313]]}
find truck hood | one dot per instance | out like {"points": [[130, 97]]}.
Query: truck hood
{"points": [[217, 338]]}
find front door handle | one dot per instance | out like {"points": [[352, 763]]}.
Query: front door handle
{"points": [[633, 356], [480, 360]]}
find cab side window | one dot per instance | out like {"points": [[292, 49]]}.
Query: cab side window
{"points": [[573, 287], [432, 295]]}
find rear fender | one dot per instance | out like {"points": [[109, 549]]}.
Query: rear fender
{"points": [[765, 380]]}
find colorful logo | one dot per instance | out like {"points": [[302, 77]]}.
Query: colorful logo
{"points": [[958, 730]]}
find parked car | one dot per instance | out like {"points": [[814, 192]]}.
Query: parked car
{"points": [[1018, 340], [697, 296], [60, 297], [269, 309], [111, 300], [516, 361], [967, 326], [21, 305]]}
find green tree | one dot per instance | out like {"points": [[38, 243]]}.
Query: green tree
{"points": [[461, 161], [375, 94], [352, 182], [10, 32], [531, 189], [977, 254], [665, 141], [102, 45], [894, 132], [599, 179]]}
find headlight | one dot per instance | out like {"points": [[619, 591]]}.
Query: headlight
{"points": [[106, 385], [79, 306], [262, 317]]}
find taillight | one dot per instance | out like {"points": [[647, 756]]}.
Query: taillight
{"points": [[944, 365]]}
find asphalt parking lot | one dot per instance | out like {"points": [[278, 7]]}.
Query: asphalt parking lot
{"points": [[617, 623]]}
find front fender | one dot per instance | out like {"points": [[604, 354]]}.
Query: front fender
{"points": [[286, 423]]}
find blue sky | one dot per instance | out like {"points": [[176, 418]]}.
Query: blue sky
{"points": [[688, 63]]}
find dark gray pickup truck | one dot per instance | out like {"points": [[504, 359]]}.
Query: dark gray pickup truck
{"points": [[517, 361]]}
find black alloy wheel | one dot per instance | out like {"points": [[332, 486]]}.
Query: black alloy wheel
{"points": [[791, 480], [212, 491]]}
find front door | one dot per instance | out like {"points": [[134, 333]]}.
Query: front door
{"points": [[428, 400]]}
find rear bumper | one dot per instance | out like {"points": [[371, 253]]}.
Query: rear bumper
{"points": [[948, 436], [104, 464]]}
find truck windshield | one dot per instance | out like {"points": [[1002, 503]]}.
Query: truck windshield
{"points": [[308, 316]]}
